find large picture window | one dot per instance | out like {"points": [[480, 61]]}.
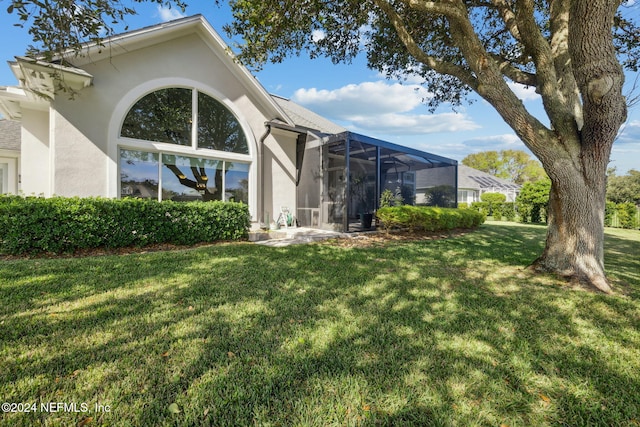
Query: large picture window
{"points": [[182, 178], [168, 115], [201, 170]]}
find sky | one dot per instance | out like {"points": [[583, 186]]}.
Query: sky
{"points": [[362, 100]]}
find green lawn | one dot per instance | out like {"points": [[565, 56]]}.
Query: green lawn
{"points": [[442, 332]]}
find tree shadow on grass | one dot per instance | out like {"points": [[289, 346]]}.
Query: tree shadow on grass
{"points": [[448, 332]]}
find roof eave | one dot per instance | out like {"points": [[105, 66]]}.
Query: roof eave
{"points": [[41, 78]]}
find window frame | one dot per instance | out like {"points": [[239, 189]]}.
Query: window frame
{"points": [[127, 143]]}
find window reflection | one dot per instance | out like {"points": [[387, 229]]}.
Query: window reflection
{"points": [[138, 174], [237, 182], [218, 129], [161, 116], [188, 178]]}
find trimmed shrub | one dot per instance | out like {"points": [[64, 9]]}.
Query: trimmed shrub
{"points": [[64, 225], [495, 201], [482, 207], [609, 213], [627, 215], [509, 211], [428, 218]]}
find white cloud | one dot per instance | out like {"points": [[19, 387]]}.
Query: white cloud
{"points": [[504, 139], [381, 108], [318, 35], [629, 133], [362, 99], [413, 124], [169, 14], [525, 93]]}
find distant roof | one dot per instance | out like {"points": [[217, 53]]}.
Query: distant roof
{"points": [[305, 118], [9, 135], [473, 178]]}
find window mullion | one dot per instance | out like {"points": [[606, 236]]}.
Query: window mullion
{"points": [[159, 177], [224, 184], [194, 119]]}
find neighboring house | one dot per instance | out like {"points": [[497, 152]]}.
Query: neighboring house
{"points": [[9, 156], [167, 113], [472, 183]]}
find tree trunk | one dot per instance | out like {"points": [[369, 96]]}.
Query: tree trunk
{"points": [[575, 236]]}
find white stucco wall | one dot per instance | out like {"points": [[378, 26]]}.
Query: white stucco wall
{"points": [[35, 172], [79, 165], [85, 130], [279, 173]]}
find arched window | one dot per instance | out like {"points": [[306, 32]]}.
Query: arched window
{"points": [[167, 115], [170, 116]]}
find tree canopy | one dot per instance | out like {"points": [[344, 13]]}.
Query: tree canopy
{"points": [[624, 188], [514, 165]]}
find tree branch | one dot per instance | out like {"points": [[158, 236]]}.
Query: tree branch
{"points": [[508, 17], [414, 49], [514, 73]]}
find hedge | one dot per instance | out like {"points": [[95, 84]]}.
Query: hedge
{"points": [[64, 225], [428, 218], [622, 215]]}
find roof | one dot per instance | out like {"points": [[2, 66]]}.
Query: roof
{"points": [[42, 72], [307, 119], [475, 179], [10, 135]]}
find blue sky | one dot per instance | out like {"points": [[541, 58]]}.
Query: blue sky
{"points": [[362, 100]]}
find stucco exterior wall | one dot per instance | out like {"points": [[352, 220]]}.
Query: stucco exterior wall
{"points": [[279, 174], [79, 165], [36, 174], [86, 129]]}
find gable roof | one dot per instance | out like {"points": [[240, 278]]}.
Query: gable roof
{"points": [[469, 177], [133, 40], [10, 135]]}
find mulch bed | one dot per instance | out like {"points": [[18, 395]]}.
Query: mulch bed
{"points": [[357, 240], [380, 238]]}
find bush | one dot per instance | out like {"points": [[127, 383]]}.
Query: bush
{"points": [[59, 224], [495, 201], [627, 215], [609, 213], [532, 201], [482, 207], [509, 211], [496, 210], [428, 218]]}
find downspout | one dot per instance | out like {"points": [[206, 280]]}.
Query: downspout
{"points": [[456, 186], [261, 173]]}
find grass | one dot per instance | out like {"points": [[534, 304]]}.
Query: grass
{"points": [[443, 332]]}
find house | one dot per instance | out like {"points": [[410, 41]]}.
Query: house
{"points": [[165, 112], [472, 183]]}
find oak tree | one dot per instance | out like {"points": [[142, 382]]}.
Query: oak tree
{"points": [[571, 51]]}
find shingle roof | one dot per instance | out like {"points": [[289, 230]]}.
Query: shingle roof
{"points": [[305, 118], [474, 179], [9, 135]]}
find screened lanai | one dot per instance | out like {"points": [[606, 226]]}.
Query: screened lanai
{"points": [[341, 179]]}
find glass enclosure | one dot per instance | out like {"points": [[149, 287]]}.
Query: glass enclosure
{"points": [[343, 176]]}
